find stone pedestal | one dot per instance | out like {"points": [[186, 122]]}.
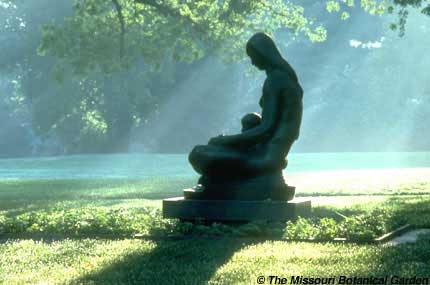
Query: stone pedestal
{"points": [[270, 185], [235, 210], [280, 193]]}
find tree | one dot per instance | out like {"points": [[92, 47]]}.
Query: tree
{"points": [[25, 74], [107, 55], [107, 35], [114, 43]]}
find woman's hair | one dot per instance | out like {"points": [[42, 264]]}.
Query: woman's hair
{"points": [[263, 45]]}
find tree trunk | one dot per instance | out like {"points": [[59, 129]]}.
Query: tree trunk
{"points": [[118, 114]]}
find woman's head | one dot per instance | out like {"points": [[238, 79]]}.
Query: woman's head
{"points": [[265, 55]]}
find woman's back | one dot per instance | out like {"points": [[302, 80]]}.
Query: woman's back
{"points": [[289, 108]]}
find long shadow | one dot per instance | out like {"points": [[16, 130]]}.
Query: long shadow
{"points": [[402, 261], [192, 261], [196, 261]]}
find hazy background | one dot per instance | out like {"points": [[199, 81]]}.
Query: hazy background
{"points": [[365, 89]]}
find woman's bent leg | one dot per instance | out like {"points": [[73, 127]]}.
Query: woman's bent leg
{"points": [[214, 160]]}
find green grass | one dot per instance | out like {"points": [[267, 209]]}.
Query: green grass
{"points": [[222, 261], [45, 227], [23, 195], [30, 194]]}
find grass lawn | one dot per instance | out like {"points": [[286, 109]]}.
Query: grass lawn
{"points": [[47, 229]]}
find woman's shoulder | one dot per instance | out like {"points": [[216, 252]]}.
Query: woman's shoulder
{"points": [[276, 78], [277, 74], [280, 79], [280, 76]]}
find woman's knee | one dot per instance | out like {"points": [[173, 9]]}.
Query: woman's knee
{"points": [[196, 153]]}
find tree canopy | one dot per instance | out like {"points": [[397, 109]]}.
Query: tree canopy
{"points": [[108, 34], [105, 35], [106, 56]]}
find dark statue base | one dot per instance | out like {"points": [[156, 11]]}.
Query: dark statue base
{"points": [[261, 187], [285, 193], [263, 197], [235, 211]]}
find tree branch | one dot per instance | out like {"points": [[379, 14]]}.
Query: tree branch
{"points": [[166, 11], [122, 23]]}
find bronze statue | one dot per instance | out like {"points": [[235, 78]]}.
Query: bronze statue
{"points": [[248, 166]]}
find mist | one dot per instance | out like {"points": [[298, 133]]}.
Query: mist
{"points": [[365, 89]]}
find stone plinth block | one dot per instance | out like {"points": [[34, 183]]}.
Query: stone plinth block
{"points": [[233, 210]]}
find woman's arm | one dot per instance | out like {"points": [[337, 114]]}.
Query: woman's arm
{"points": [[255, 135]]}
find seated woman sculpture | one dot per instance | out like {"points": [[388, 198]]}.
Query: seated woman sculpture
{"points": [[249, 164]]}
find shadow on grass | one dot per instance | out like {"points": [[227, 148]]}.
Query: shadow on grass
{"points": [[407, 260], [197, 261], [191, 261]]}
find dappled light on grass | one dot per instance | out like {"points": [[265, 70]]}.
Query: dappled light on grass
{"points": [[41, 214], [181, 262], [22, 195], [50, 221], [59, 262], [133, 206], [363, 182], [360, 222], [311, 260], [30, 195], [347, 201], [224, 261]]}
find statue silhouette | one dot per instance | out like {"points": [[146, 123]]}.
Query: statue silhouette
{"points": [[248, 166]]}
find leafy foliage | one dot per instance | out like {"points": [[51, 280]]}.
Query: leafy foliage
{"points": [[360, 223], [177, 30], [379, 7]]}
